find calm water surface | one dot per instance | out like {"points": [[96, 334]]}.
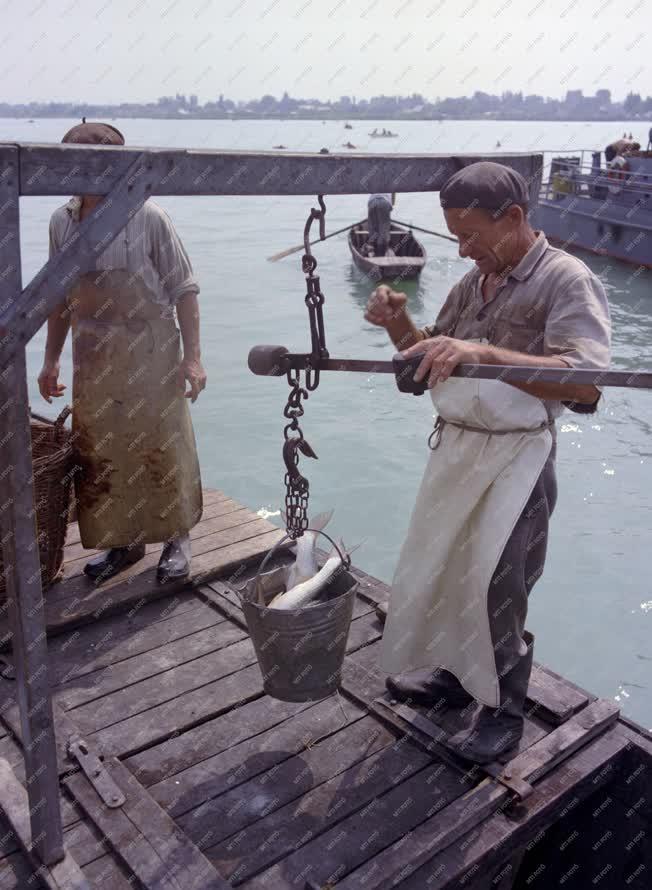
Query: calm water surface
{"points": [[592, 610]]}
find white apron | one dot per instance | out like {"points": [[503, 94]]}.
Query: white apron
{"points": [[474, 489]]}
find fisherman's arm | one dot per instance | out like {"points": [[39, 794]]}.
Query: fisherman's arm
{"points": [[577, 335], [191, 367], [58, 327], [177, 279], [387, 308]]}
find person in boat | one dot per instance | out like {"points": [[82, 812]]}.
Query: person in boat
{"points": [[139, 480], [379, 209], [476, 544], [619, 165]]}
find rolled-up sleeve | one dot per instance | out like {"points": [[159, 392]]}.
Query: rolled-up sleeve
{"points": [[578, 326], [169, 257]]}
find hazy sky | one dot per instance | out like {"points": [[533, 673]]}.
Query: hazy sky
{"points": [[138, 50]]}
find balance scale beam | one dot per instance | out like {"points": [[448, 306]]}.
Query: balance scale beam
{"points": [[276, 361]]}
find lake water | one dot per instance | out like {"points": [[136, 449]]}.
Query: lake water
{"points": [[592, 610]]}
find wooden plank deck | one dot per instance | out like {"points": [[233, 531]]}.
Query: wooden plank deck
{"points": [[226, 786]]}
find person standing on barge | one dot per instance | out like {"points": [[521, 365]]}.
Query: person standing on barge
{"points": [[138, 479], [476, 543]]}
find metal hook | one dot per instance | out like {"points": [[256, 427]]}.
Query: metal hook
{"points": [[291, 458]]}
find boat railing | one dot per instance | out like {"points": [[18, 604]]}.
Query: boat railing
{"points": [[584, 174]]}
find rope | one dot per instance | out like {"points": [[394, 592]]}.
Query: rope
{"points": [[440, 423]]}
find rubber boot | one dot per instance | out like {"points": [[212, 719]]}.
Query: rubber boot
{"points": [[430, 688], [496, 731], [174, 562], [107, 564]]}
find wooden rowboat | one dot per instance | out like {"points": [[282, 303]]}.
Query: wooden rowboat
{"points": [[406, 259]]}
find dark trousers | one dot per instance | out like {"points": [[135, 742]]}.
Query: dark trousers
{"points": [[519, 568]]}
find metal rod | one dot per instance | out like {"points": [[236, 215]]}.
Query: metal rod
{"points": [[509, 373]]}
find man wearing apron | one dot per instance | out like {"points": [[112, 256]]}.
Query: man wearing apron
{"points": [[476, 544], [137, 479]]}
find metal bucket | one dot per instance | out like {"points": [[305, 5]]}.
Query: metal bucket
{"points": [[300, 651]]}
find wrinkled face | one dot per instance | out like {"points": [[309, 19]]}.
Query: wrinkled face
{"points": [[488, 241]]}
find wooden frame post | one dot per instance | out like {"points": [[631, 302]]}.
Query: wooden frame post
{"points": [[20, 549]]}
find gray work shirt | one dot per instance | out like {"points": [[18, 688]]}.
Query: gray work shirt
{"points": [[549, 304]]}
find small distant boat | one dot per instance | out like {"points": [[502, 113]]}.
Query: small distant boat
{"points": [[348, 127], [405, 258], [30, 121], [387, 135]]}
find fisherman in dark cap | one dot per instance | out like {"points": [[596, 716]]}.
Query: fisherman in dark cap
{"points": [[476, 544], [137, 479]]}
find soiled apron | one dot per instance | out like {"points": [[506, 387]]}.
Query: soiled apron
{"points": [[473, 491], [139, 479]]}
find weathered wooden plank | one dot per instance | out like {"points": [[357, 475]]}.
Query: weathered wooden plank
{"points": [[153, 847], [22, 566], [62, 874], [178, 714], [109, 873], [169, 685], [231, 519], [180, 753], [227, 770], [491, 844], [16, 873], [284, 781], [70, 813], [64, 728], [120, 637], [464, 814], [88, 603], [353, 817], [98, 686], [66, 169]]}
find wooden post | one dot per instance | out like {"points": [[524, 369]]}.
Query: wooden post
{"points": [[20, 549]]}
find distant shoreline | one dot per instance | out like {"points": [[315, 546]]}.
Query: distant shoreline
{"points": [[111, 115]]}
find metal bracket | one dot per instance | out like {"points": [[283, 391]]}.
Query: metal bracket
{"points": [[498, 771], [95, 772]]}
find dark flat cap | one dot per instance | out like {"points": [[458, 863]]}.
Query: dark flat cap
{"points": [[484, 185], [94, 133]]}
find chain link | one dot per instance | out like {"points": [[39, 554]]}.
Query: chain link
{"points": [[296, 485]]}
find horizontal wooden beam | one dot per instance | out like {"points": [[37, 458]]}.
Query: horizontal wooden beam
{"points": [[22, 314], [94, 170]]}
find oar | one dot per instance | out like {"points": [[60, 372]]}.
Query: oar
{"points": [[284, 253], [427, 231]]}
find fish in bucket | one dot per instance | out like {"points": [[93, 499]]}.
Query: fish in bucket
{"points": [[298, 617]]}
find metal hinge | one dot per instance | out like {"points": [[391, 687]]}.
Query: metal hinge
{"points": [[498, 771], [95, 772]]}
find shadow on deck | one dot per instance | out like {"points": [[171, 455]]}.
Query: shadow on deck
{"points": [[226, 786]]}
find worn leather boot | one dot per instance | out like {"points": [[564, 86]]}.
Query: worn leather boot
{"points": [[174, 562], [496, 731], [430, 688], [107, 564]]}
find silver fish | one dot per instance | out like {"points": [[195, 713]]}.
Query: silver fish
{"points": [[305, 564], [304, 593]]}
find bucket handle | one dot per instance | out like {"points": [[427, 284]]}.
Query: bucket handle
{"points": [[346, 559]]}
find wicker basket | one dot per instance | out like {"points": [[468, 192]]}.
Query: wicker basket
{"points": [[52, 460]]}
